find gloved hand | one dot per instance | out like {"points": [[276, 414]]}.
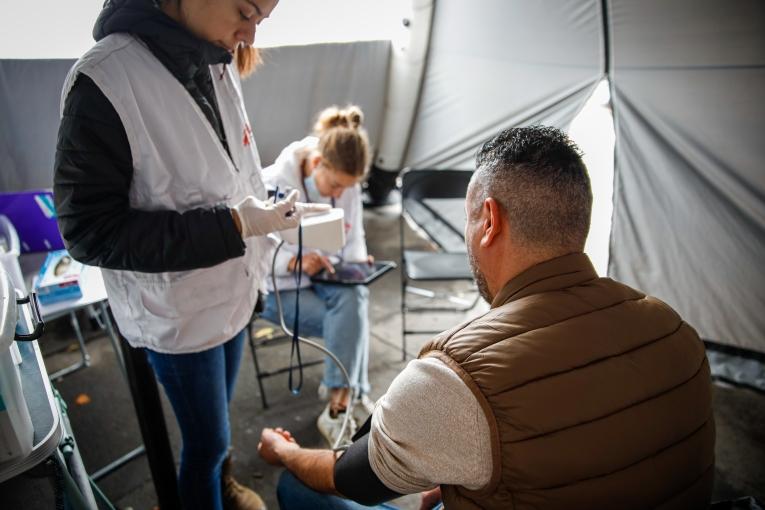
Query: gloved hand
{"points": [[258, 218]]}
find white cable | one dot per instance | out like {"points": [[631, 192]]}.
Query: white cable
{"points": [[283, 325]]}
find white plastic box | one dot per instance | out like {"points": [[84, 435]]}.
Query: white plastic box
{"points": [[324, 231], [16, 430]]}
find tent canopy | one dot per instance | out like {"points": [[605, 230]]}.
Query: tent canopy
{"points": [[688, 96]]}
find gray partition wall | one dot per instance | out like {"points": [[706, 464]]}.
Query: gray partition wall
{"points": [[500, 63], [282, 100], [295, 82], [30, 93], [688, 81]]}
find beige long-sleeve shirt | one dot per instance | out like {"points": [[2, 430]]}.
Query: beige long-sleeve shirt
{"points": [[428, 430]]}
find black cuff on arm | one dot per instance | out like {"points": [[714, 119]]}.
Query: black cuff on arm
{"points": [[231, 236], [354, 478]]}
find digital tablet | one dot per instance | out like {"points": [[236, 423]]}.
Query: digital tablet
{"points": [[354, 273]]}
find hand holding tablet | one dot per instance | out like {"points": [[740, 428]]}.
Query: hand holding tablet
{"points": [[354, 273]]}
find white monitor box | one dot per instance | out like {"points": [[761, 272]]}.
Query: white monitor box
{"points": [[323, 231]]}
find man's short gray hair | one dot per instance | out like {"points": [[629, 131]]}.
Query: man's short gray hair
{"points": [[538, 177]]}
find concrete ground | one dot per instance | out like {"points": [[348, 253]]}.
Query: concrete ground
{"points": [[104, 423]]}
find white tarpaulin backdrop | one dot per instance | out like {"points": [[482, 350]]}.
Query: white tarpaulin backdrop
{"points": [[688, 81], [500, 63]]}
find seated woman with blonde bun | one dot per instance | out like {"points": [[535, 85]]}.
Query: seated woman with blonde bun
{"points": [[327, 167]]}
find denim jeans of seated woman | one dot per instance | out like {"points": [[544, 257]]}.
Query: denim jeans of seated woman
{"points": [[199, 387], [338, 314], [294, 495]]}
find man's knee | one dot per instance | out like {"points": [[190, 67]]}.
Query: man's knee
{"points": [[285, 484]]}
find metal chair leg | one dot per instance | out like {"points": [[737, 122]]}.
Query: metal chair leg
{"points": [[258, 375], [403, 321], [403, 283]]}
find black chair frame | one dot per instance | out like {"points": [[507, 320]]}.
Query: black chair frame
{"points": [[278, 339], [417, 185]]}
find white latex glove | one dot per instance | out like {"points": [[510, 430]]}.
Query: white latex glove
{"points": [[259, 218]]}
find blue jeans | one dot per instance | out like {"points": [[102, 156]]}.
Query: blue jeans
{"points": [[337, 313], [200, 386], [293, 495]]}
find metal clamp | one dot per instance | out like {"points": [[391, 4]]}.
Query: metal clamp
{"points": [[31, 300]]}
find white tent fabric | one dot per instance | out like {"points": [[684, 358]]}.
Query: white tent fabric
{"points": [[688, 80], [688, 83], [282, 100], [499, 63]]}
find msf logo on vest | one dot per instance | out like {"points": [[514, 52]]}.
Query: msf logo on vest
{"points": [[247, 135]]}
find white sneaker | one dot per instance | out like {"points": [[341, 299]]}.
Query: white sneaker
{"points": [[363, 407], [330, 427], [323, 393]]}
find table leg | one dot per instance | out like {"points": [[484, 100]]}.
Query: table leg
{"points": [[113, 337], [148, 407], [85, 361], [105, 321]]}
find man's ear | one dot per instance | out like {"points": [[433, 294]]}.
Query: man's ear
{"points": [[491, 215]]}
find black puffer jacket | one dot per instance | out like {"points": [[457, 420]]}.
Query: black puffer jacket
{"points": [[94, 167]]}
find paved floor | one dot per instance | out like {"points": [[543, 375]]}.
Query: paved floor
{"points": [[105, 425]]}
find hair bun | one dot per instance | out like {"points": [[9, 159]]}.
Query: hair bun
{"points": [[328, 119], [350, 117], [354, 115]]}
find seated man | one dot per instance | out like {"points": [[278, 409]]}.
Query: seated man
{"points": [[572, 391]]}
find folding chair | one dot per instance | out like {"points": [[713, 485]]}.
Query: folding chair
{"points": [[278, 338], [432, 203]]}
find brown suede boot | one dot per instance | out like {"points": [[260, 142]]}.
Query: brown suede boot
{"points": [[235, 495]]}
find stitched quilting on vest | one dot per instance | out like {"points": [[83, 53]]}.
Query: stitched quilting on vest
{"points": [[600, 396]]}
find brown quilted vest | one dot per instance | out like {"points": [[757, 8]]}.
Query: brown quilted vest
{"points": [[597, 396]]}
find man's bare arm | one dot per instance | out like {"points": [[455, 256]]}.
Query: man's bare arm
{"points": [[315, 468]]}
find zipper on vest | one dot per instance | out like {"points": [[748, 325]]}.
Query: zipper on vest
{"points": [[225, 150]]}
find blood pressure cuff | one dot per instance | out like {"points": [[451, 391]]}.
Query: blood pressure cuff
{"points": [[354, 477]]}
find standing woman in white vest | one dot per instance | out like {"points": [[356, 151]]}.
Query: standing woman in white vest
{"points": [[157, 181]]}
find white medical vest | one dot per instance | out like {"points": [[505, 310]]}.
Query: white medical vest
{"points": [[179, 163]]}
